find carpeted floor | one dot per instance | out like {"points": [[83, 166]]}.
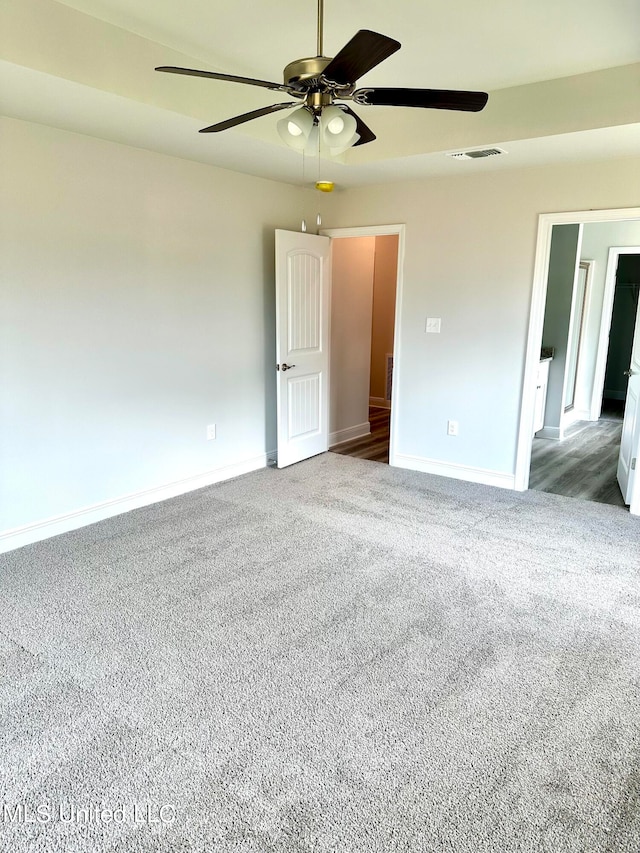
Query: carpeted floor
{"points": [[340, 656]]}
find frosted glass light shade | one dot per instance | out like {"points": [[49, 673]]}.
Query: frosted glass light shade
{"points": [[296, 128], [349, 144], [338, 129]]}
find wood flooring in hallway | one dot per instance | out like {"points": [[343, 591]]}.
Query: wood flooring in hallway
{"points": [[582, 465], [374, 446]]}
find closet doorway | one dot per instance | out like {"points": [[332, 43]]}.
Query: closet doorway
{"points": [[364, 296]]}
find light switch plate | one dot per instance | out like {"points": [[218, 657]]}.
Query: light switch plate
{"points": [[432, 325]]}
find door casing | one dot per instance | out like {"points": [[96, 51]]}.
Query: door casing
{"points": [[546, 221]]}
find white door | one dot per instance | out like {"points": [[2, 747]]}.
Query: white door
{"points": [[302, 345], [630, 443]]}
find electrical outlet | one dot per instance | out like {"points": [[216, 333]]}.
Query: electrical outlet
{"points": [[211, 432], [432, 326], [452, 427]]}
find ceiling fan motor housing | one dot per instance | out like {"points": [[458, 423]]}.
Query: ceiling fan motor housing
{"points": [[301, 73]]}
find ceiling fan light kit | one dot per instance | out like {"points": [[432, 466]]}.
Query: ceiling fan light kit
{"points": [[319, 84], [338, 129], [296, 129]]}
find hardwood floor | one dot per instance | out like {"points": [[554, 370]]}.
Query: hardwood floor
{"points": [[583, 465], [374, 446]]}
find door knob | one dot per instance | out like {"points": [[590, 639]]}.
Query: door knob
{"points": [[286, 366], [628, 372]]}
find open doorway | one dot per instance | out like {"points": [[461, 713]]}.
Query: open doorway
{"points": [[365, 270], [585, 323], [579, 416]]}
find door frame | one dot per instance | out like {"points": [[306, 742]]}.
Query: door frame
{"points": [[577, 328], [382, 231], [546, 221]]}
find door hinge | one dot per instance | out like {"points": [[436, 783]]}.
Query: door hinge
{"points": [[633, 464]]}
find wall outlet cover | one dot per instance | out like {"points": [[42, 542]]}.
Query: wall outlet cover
{"points": [[211, 432], [432, 325]]}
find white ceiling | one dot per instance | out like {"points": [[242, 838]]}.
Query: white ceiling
{"points": [[454, 45], [65, 69]]}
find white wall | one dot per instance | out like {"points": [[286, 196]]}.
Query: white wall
{"points": [[136, 307], [352, 267], [469, 257]]}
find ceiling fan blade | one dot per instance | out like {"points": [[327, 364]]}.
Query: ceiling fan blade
{"points": [[232, 122], [365, 133], [365, 50], [435, 99], [213, 75]]}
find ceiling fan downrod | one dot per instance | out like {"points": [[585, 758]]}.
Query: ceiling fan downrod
{"points": [[320, 26]]}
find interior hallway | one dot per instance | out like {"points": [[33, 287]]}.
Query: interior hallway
{"points": [[374, 446], [584, 464]]}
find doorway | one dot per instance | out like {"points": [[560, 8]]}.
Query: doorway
{"points": [[572, 316], [578, 431], [366, 289]]}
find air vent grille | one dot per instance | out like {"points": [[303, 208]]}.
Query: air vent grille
{"points": [[389, 377], [477, 154]]}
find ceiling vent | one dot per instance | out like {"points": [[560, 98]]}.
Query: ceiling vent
{"points": [[477, 154]]}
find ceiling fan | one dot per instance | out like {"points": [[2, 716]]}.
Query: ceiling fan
{"points": [[321, 82]]}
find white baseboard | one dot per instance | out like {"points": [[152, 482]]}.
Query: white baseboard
{"points": [[19, 536], [379, 403], [348, 434], [549, 432], [456, 472]]}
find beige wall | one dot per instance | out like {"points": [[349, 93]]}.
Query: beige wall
{"points": [[351, 311], [469, 256], [136, 307], [384, 310]]}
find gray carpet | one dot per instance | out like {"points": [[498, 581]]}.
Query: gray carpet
{"points": [[340, 656]]}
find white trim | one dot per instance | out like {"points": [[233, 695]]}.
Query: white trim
{"points": [[25, 535], [379, 403], [590, 305], [634, 505], [605, 325], [349, 434], [574, 288], [455, 471], [364, 231], [381, 231], [546, 221]]}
